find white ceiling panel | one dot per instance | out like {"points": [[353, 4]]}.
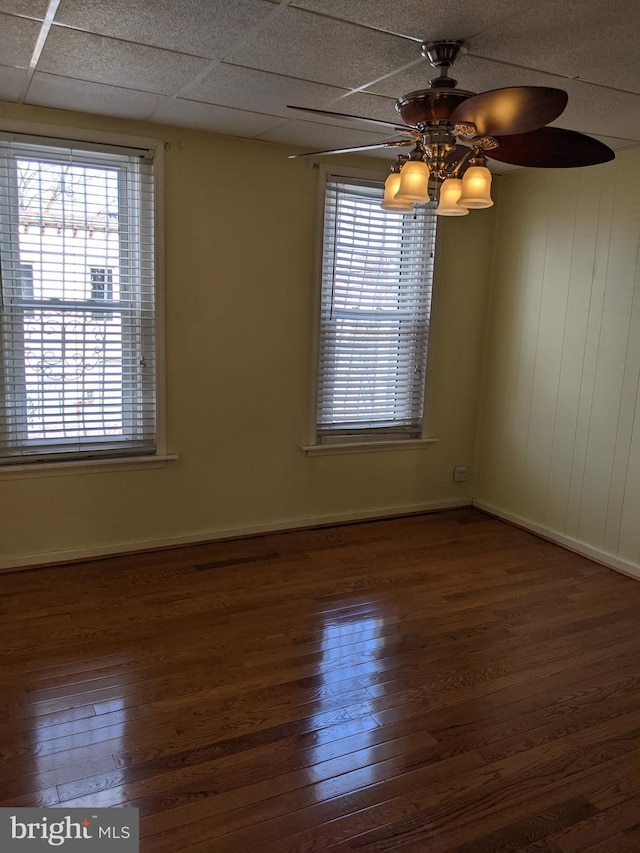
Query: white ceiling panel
{"points": [[424, 20], [312, 47], [311, 134], [595, 110], [594, 40], [12, 81], [67, 94], [258, 91], [216, 119], [201, 27], [368, 105], [27, 8], [17, 41], [72, 53]]}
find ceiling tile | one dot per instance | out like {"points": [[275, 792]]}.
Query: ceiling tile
{"points": [[67, 94], [310, 134], [473, 73], [202, 27], [258, 91], [411, 79], [367, 105], [216, 119], [593, 109], [19, 36], [420, 19], [25, 8], [596, 40], [12, 81], [312, 47], [72, 53]]}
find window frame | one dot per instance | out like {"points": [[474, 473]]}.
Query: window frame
{"points": [[52, 135], [364, 443]]}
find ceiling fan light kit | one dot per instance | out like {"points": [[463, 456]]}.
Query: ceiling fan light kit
{"points": [[476, 188], [450, 193], [414, 178], [391, 186], [454, 131]]}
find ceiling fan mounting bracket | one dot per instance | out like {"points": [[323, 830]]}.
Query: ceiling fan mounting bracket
{"points": [[442, 54]]}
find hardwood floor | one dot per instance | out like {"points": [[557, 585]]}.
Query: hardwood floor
{"points": [[436, 683]]}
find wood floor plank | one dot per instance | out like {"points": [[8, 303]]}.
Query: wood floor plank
{"points": [[441, 682]]}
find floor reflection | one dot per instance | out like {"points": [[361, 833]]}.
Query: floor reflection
{"points": [[348, 663], [72, 745]]}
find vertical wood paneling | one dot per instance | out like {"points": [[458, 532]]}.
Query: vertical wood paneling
{"points": [[629, 536], [558, 436], [548, 347], [522, 382], [573, 350], [626, 296], [603, 204], [506, 316], [619, 275]]}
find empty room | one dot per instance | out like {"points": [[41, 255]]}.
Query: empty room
{"points": [[319, 426]]}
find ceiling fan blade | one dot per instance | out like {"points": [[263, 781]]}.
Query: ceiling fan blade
{"points": [[550, 148], [518, 109], [393, 143], [391, 124]]}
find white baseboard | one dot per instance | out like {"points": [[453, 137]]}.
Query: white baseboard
{"points": [[609, 560], [199, 537]]}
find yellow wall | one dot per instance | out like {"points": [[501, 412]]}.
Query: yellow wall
{"points": [[559, 430], [240, 232]]}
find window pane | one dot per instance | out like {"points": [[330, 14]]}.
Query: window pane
{"points": [[73, 374], [77, 332], [375, 304], [69, 221]]}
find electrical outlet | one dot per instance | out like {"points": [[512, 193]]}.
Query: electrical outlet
{"points": [[459, 474]]}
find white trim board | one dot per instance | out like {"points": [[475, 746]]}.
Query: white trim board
{"points": [[202, 537], [608, 560]]}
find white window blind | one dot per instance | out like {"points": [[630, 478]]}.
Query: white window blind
{"points": [[77, 330], [377, 273]]}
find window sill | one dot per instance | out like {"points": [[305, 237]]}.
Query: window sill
{"points": [[367, 446], [84, 466]]}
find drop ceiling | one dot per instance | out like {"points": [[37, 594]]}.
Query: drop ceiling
{"points": [[232, 67]]}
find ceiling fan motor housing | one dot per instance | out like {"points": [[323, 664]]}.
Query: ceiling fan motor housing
{"points": [[430, 106]]}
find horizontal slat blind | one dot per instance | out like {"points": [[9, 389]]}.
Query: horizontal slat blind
{"points": [[78, 302], [377, 273]]}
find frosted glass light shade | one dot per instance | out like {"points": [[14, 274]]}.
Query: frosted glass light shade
{"points": [[476, 188], [414, 182], [450, 192], [389, 202]]}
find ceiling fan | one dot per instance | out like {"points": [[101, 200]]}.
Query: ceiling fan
{"points": [[453, 131]]}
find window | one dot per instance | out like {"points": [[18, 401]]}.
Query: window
{"points": [[101, 283], [77, 330], [374, 316], [25, 279]]}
